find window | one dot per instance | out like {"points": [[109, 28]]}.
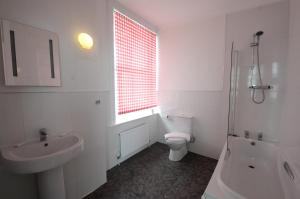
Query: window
{"points": [[135, 65]]}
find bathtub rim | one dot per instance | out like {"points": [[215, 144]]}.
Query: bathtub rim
{"points": [[229, 191], [216, 187], [226, 189]]}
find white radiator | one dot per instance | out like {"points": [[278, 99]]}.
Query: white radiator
{"points": [[133, 140]]}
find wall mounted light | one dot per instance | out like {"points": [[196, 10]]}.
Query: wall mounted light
{"points": [[85, 40]]}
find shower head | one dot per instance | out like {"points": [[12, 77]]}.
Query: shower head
{"points": [[256, 38], [259, 33]]}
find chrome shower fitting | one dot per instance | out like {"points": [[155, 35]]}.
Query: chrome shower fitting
{"points": [[247, 134], [255, 46], [260, 136]]}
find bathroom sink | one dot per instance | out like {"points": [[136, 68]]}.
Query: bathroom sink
{"points": [[36, 156], [46, 159]]}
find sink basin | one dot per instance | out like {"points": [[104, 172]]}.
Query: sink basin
{"points": [[34, 157], [46, 159]]}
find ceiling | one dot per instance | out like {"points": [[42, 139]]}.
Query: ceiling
{"points": [[164, 13]]}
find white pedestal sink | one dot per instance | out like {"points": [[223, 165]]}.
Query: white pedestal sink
{"points": [[46, 160]]}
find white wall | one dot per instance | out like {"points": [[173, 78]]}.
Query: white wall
{"points": [[85, 76], [290, 120], [192, 56], [191, 80], [82, 70], [273, 19], [196, 83]]}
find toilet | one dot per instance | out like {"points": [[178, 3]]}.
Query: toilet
{"points": [[179, 136]]}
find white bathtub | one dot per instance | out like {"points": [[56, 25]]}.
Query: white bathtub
{"points": [[253, 170]]}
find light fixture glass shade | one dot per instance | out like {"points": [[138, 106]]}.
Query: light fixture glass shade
{"points": [[85, 40]]}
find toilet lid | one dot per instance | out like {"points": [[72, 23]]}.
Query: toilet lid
{"points": [[181, 135]]}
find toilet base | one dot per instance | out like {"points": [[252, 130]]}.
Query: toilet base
{"points": [[176, 155]]}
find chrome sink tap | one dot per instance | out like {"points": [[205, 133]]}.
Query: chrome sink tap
{"points": [[43, 134]]}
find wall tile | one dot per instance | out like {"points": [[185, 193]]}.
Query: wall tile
{"points": [[11, 119]]}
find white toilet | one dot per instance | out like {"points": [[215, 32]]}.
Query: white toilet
{"points": [[179, 137]]}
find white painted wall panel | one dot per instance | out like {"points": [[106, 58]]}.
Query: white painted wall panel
{"points": [[192, 77], [192, 56], [201, 93], [274, 21], [290, 120], [81, 69], [84, 77]]}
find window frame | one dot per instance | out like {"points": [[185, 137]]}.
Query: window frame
{"points": [[118, 119]]}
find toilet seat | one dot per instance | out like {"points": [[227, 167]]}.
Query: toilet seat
{"points": [[176, 140], [177, 136]]}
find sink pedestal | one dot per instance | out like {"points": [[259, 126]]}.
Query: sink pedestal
{"points": [[51, 184]]}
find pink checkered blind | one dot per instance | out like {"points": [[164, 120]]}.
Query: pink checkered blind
{"points": [[135, 51]]}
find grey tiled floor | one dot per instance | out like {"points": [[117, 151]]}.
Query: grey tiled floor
{"points": [[150, 174]]}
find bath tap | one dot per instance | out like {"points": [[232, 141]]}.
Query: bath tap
{"points": [[260, 136], [43, 134], [247, 134]]}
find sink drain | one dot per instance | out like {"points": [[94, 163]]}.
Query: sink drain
{"points": [[251, 166]]}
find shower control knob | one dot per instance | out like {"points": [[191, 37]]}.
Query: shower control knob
{"points": [[260, 136], [247, 134]]}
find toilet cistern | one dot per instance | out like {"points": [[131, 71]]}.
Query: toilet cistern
{"points": [[179, 136]]}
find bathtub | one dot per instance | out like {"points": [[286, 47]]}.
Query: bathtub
{"points": [[253, 170]]}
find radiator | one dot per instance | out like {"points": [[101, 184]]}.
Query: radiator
{"points": [[133, 140]]}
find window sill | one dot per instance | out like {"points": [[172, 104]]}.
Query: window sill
{"points": [[121, 119]]}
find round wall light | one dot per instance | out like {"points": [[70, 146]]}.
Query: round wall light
{"points": [[85, 40]]}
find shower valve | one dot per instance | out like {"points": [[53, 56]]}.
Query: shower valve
{"points": [[264, 87], [247, 134]]}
